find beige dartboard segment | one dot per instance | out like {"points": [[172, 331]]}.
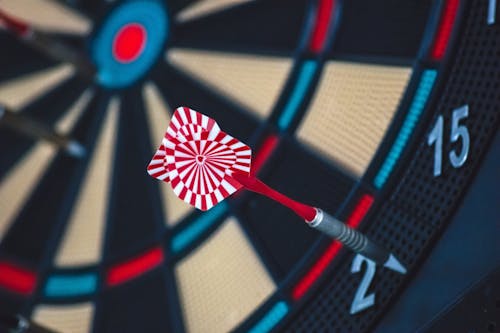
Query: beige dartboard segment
{"points": [[206, 7], [82, 241], [351, 110], [252, 81], [223, 280], [22, 179], [76, 318], [47, 15], [18, 92], [17, 184]]}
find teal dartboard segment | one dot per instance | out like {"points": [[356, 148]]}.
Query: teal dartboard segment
{"points": [[304, 80], [70, 285], [190, 233], [417, 106], [271, 318]]}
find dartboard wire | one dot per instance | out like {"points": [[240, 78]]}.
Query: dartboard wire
{"points": [[133, 145], [217, 31], [48, 108], [38, 208]]}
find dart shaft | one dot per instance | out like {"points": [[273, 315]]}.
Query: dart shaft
{"points": [[60, 51], [350, 237], [37, 130], [49, 45], [255, 185]]}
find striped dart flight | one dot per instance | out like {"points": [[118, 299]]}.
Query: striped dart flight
{"points": [[198, 159]]}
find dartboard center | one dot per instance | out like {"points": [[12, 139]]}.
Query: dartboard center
{"points": [[129, 42]]}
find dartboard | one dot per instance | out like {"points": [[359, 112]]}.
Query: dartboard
{"points": [[383, 113]]}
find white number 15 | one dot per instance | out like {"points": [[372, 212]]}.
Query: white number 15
{"points": [[458, 132]]}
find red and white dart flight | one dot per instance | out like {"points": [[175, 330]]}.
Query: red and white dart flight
{"points": [[198, 159], [204, 166]]}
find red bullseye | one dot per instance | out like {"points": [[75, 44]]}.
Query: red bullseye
{"points": [[129, 42]]}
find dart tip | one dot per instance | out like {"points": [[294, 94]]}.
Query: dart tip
{"points": [[394, 264], [75, 149]]}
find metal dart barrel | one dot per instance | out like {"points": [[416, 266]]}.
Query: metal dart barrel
{"points": [[355, 240]]}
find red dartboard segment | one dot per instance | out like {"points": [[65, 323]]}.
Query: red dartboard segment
{"points": [[197, 158]]}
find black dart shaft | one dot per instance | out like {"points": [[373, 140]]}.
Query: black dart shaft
{"points": [[49, 45], [37, 130], [58, 50], [355, 240]]}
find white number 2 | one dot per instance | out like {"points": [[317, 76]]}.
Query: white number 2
{"points": [[458, 132], [361, 300]]}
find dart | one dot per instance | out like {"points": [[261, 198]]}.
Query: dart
{"points": [[35, 129], [48, 44], [205, 165]]}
